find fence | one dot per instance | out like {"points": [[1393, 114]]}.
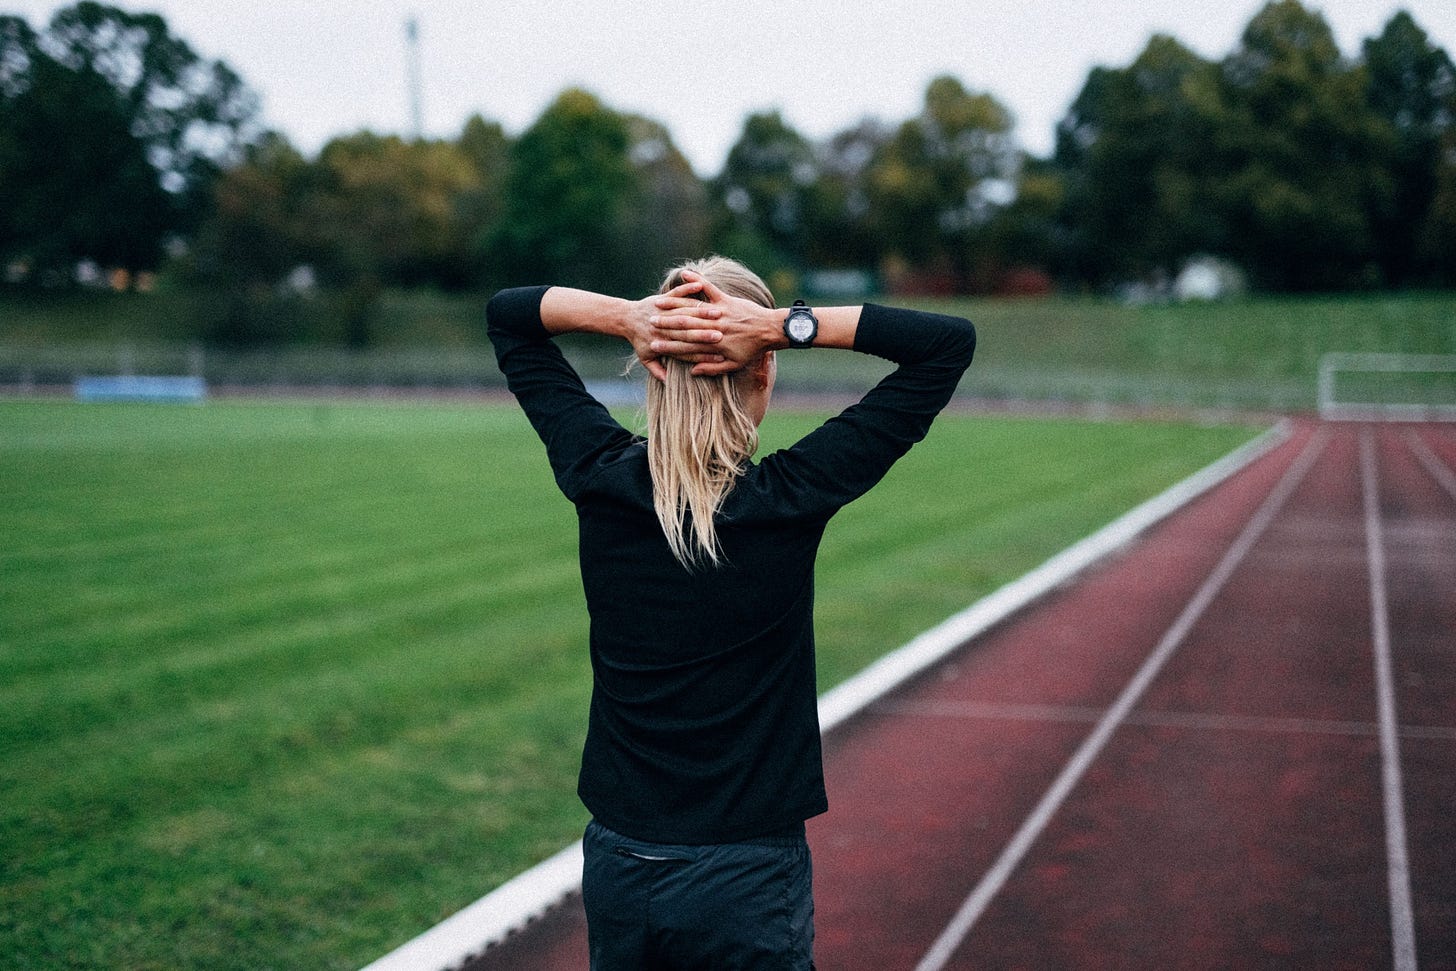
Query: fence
{"points": [[28, 368]]}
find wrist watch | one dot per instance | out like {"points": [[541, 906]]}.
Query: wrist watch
{"points": [[801, 326]]}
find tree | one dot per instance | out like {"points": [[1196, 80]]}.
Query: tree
{"points": [[1027, 236], [1436, 244], [92, 197], [1132, 151], [1411, 84], [381, 211], [841, 231], [254, 235], [113, 131], [762, 195], [570, 183], [1308, 170], [372, 211], [938, 182], [254, 238], [480, 209], [1298, 151], [388, 209], [667, 216]]}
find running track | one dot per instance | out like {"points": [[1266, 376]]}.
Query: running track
{"points": [[1233, 746]]}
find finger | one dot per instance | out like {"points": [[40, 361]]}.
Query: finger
{"points": [[708, 369], [655, 368], [691, 305], [682, 321], [678, 348], [713, 294], [684, 289], [691, 331]]}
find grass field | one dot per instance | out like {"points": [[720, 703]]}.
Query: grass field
{"points": [[282, 685]]}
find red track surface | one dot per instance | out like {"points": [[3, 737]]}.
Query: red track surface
{"points": [[1233, 819]]}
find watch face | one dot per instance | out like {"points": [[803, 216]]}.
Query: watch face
{"points": [[801, 327]]}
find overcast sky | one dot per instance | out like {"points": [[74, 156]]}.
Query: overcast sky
{"points": [[327, 67]]}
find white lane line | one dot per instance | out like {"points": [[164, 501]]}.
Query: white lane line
{"points": [[1402, 919], [1432, 462], [960, 925], [1196, 720]]}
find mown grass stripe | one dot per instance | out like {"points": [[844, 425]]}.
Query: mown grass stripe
{"points": [[171, 609], [290, 645]]}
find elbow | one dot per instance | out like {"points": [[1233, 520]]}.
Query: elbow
{"points": [[965, 341], [516, 310], [954, 342], [495, 309]]}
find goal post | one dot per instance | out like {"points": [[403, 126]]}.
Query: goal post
{"points": [[1387, 387]]}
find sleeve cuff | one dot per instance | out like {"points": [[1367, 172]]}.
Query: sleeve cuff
{"points": [[518, 310], [875, 333]]}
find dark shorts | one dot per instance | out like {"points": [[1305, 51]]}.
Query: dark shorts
{"points": [[656, 906]]}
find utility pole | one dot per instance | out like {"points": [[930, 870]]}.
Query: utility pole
{"points": [[412, 78]]}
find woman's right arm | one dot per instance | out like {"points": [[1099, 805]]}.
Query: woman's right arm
{"points": [[536, 314], [574, 426]]}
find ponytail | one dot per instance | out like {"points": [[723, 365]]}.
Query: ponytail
{"points": [[700, 435]]}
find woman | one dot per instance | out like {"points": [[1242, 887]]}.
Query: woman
{"points": [[702, 756]]}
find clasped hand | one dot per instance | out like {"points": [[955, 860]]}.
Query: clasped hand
{"points": [[698, 323]]}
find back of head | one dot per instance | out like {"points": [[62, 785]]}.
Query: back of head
{"points": [[699, 433]]}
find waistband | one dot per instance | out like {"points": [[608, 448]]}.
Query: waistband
{"points": [[792, 835]]}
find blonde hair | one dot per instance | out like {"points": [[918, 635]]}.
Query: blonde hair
{"points": [[700, 434]]}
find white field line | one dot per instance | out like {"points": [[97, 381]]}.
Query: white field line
{"points": [[513, 905], [1432, 462], [1402, 918], [990, 884], [508, 908]]}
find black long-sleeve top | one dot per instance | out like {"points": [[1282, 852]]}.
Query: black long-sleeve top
{"points": [[704, 724]]}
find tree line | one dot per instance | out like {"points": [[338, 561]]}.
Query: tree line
{"points": [[1308, 170]]}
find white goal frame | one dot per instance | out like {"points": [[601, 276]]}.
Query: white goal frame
{"points": [[1331, 409]]}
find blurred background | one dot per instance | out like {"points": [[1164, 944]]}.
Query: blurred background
{"points": [[159, 215]]}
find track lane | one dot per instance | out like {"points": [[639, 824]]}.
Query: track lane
{"points": [[1219, 842], [1420, 515]]}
